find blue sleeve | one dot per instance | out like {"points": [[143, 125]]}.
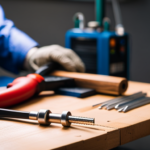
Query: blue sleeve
{"points": [[14, 45]]}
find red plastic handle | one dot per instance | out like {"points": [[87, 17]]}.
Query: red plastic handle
{"points": [[20, 90]]}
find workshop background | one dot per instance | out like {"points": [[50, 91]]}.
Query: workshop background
{"points": [[47, 21]]}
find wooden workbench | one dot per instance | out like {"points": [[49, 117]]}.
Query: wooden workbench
{"points": [[115, 128]]}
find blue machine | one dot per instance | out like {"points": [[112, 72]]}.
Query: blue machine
{"points": [[103, 52]]}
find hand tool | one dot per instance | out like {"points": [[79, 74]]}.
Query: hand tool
{"points": [[113, 101], [106, 102], [121, 109], [126, 103], [120, 99], [133, 97], [45, 117], [23, 88], [120, 105], [136, 104]]}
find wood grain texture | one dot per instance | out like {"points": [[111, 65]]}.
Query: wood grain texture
{"points": [[114, 128], [28, 135], [23, 134], [101, 83]]}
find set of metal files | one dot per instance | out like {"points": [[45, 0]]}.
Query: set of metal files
{"points": [[125, 103]]}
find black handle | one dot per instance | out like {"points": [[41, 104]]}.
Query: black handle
{"points": [[14, 114], [48, 68]]}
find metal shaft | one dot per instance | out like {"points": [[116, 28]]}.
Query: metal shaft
{"points": [[120, 105], [126, 103], [118, 100], [81, 120], [133, 97], [45, 117], [137, 104]]}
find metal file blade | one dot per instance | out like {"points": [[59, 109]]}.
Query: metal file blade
{"points": [[122, 104], [116, 100], [137, 104]]}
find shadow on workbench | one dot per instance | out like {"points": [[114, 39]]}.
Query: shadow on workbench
{"points": [[140, 144]]}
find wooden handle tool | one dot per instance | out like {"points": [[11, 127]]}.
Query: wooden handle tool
{"points": [[101, 83]]}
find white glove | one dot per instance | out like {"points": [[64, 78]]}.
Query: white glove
{"points": [[67, 58]]}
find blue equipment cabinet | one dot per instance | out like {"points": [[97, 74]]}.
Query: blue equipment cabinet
{"points": [[102, 52]]}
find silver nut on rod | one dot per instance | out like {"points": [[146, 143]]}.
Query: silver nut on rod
{"points": [[43, 116], [64, 118]]}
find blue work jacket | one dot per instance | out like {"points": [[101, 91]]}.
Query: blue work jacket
{"points": [[14, 45]]}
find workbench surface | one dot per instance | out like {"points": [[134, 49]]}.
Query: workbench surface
{"points": [[114, 128]]}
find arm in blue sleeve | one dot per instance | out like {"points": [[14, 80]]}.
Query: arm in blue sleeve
{"points": [[14, 45]]}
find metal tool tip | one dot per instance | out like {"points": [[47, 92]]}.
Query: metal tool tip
{"points": [[116, 107], [109, 108], [119, 110], [125, 109], [99, 107]]}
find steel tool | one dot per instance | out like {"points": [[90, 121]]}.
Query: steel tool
{"points": [[120, 105], [110, 102], [125, 103], [120, 99], [135, 104], [45, 117], [133, 97], [106, 102]]}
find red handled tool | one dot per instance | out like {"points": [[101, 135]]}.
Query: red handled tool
{"points": [[23, 88], [20, 89]]}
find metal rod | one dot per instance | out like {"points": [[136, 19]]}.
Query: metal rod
{"points": [[45, 117], [133, 97], [115, 99], [135, 105], [120, 105], [97, 104], [119, 110], [112, 101], [120, 99]]}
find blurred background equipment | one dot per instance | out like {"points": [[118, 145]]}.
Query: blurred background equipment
{"points": [[103, 51]]}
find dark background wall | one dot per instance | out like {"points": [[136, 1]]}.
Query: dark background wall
{"points": [[47, 21]]}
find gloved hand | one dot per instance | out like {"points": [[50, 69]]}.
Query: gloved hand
{"points": [[67, 58]]}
